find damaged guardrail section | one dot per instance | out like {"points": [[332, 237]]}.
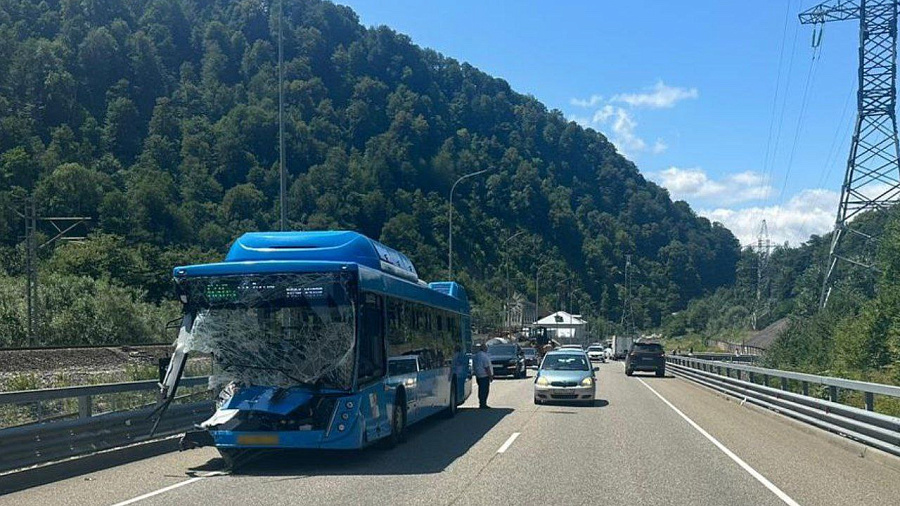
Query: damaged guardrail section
{"points": [[791, 397], [80, 427]]}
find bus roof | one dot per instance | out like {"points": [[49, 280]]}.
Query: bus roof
{"points": [[273, 252]]}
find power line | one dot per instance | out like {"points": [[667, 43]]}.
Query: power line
{"points": [[778, 86], [771, 166]]}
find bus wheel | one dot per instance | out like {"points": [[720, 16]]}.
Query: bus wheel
{"points": [[398, 422], [234, 457], [450, 412]]}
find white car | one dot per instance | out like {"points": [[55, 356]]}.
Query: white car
{"points": [[596, 354]]}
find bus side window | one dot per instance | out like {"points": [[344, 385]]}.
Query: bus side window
{"points": [[371, 339]]}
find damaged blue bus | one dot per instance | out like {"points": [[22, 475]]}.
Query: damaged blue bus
{"points": [[323, 340]]}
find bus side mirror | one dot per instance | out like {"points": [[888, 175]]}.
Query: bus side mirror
{"points": [[163, 367]]}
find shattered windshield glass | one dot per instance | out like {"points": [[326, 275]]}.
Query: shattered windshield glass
{"points": [[275, 330]]}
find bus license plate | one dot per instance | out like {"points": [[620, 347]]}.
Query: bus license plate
{"points": [[258, 439]]}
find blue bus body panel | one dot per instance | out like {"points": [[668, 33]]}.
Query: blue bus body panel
{"points": [[339, 246], [386, 284], [261, 267]]}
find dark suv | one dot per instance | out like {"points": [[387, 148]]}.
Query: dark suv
{"points": [[646, 357], [507, 359], [531, 357]]}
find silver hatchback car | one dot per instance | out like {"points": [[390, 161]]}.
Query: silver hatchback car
{"points": [[567, 376]]}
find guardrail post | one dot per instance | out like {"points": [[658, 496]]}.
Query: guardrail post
{"points": [[84, 406], [719, 370], [784, 383], [833, 393], [870, 401], [752, 377], [806, 388]]}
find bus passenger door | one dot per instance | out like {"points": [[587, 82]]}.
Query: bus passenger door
{"points": [[372, 365]]}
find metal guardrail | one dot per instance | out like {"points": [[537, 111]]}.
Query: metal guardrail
{"points": [[47, 441], [723, 356], [740, 381]]}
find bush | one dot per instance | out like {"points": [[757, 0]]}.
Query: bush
{"points": [[81, 310]]}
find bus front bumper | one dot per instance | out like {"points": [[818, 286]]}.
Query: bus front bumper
{"points": [[350, 437]]}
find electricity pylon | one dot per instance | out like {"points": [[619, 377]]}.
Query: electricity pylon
{"points": [[763, 250], [872, 178]]}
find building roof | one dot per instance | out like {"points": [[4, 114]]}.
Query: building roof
{"points": [[561, 319]]}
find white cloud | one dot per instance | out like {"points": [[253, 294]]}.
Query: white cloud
{"points": [[618, 123], [619, 126], [809, 212], [659, 146], [694, 184], [660, 96], [594, 101]]}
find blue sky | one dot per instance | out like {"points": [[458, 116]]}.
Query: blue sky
{"points": [[685, 89]]}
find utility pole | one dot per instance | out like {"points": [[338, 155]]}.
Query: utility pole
{"points": [[763, 250], [63, 226], [627, 321], [872, 177], [282, 224], [450, 222], [537, 291], [506, 261], [31, 280]]}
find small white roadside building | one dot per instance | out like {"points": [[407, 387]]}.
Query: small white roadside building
{"points": [[564, 327]]}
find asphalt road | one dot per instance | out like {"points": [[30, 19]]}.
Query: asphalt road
{"points": [[646, 440]]}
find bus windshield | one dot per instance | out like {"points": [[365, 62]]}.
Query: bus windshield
{"points": [[279, 330]]}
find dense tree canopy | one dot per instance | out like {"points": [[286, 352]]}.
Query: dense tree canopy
{"points": [[158, 118]]}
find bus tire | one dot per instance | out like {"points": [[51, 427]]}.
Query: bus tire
{"points": [[234, 457], [450, 412], [398, 421]]}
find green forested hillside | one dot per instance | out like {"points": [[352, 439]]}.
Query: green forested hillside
{"points": [[158, 119], [858, 333]]}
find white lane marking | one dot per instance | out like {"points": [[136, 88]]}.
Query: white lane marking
{"points": [[753, 472], [160, 491], [508, 442]]}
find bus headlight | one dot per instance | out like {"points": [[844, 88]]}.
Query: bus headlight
{"points": [[587, 382]]}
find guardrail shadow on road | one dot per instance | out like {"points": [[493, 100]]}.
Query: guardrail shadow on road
{"points": [[430, 447]]}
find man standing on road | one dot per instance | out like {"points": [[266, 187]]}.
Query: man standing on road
{"points": [[484, 374]]}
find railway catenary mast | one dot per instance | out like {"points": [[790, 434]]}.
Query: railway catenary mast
{"points": [[872, 177]]}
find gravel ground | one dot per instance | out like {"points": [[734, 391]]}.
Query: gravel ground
{"points": [[75, 366]]}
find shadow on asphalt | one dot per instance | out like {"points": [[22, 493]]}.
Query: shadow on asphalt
{"points": [[428, 449], [651, 376], [507, 378], [598, 403]]}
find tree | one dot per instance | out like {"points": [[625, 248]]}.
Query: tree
{"points": [[122, 132], [72, 190]]}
